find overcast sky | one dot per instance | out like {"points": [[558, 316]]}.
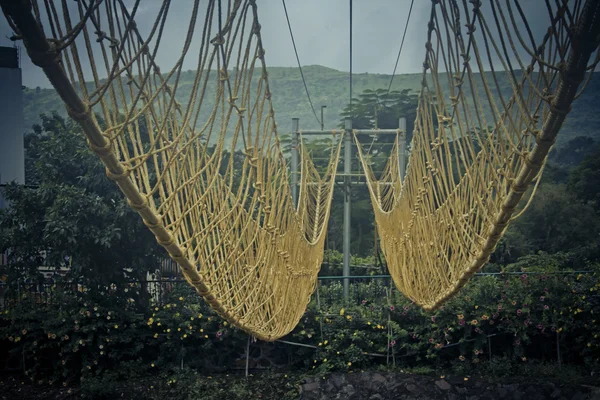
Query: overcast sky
{"points": [[321, 29]]}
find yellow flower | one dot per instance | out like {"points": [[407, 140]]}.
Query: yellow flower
{"points": [[180, 298], [224, 323], [466, 379], [476, 307], [178, 329], [349, 364], [368, 322], [191, 318], [155, 335], [152, 365], [484, 317], [205, 336], [460, 316], [338, 352], [349, 317], [190, 328], [315, 361], [325, 342], [168, 330], [474, 322], [342, 311], [201, 330], [158, 324], [324, 360], [116, 326], [185, 335], [320, 344], [589, 345], [199, 316]]}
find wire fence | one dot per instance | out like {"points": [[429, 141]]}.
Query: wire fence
{"points": [[374, 288]]}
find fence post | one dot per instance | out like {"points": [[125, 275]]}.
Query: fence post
{"points": [[402, 147], [294, 162], [558, 349], [347, 192], [247, 355]]}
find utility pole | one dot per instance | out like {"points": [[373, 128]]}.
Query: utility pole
{"points": [[294, 166], [402, 148], [322, 124], [347, 192]]}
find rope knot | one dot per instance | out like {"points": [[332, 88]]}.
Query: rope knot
{"points": [[44, 58], [101, 36]]}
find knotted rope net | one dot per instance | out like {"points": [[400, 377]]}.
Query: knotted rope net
{"points": [[208, 177], [493, 99]]}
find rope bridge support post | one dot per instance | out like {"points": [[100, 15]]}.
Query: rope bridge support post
{"points": [[347, 192], [402, 147], [294, 162]]}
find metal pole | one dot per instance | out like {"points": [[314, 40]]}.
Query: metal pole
{"points": [[402, 147], [294, 166], [347, 191], [322, 123]]}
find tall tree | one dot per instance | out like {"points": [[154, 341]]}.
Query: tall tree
{"points": [[74, 215]]}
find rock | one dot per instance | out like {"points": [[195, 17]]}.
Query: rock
{"points": [[461, 390], [442, 384], [378, 378], [556, 393], [376, 397], [338, 380], [413, 388], [578, 396], [310, 387], [348, 390]]}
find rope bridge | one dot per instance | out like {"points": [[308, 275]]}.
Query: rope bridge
{"points": [[209, 178], [491, 104]]}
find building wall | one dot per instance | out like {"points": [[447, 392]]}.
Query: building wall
{"points": [[12, 154]]}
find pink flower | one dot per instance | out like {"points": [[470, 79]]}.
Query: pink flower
{"points": [[392, 308], [364, 302], [542, 298], [405, 308], [404, 313], [546, 307], [431, 340], [392, 343], [517, 342], [540, 326], [496, 315], [219, 334], [519, 311], [433, 319], [461, 322], [499, 307]]}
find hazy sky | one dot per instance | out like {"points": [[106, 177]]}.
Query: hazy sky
{"points": [[321, 29]]}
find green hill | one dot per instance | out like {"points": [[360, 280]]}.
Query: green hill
{"points": [[330, 87]]}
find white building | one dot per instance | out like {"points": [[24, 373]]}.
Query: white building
{"points": [[12, 154]]}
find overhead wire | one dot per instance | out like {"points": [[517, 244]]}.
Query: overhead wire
{"points": [[299, 65], [401, 45]]}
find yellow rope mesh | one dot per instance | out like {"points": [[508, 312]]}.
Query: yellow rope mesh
{"points": [[227, 220], [491, 105], [480, 139]]}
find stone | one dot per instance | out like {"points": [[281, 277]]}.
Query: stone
{"points": [[348, 390], [461, 390], [556, 393], [413, 388], [378, 378], [376, 397], [443, 385], [338, 380], [310, 387]]}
